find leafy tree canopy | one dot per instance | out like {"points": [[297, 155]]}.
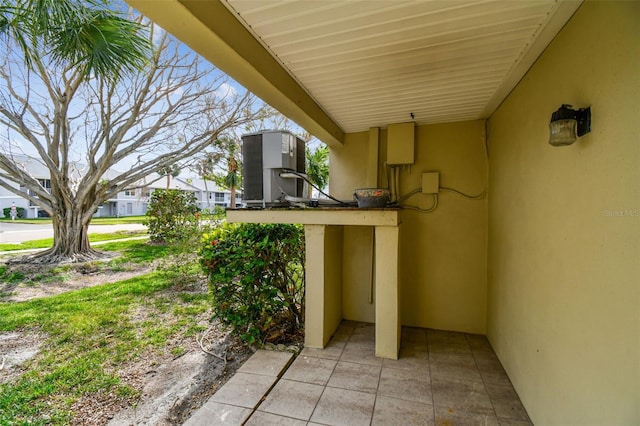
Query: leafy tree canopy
{"points": [[87, 34]]}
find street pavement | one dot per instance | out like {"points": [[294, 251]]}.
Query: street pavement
{"points": [[20, 232]]}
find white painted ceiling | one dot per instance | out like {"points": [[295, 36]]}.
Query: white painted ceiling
{"points": [[369, 63]]}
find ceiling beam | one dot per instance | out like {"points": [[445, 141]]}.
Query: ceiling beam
{"points": [[210, 29]]}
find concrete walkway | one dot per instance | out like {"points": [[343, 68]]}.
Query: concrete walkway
{"points": [[20, 232], [237, 400], [441, 378]]}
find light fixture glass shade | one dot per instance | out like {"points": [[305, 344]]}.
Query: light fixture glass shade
{"points": [[563, 132]]}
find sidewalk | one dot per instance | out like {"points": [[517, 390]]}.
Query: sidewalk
{"points": [[97, 243], [10, 233]]}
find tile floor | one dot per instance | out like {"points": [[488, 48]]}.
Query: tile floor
{"points": [[440, 378]]}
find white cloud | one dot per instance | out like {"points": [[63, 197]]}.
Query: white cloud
{"points": [[158, 34], [225, 90]]}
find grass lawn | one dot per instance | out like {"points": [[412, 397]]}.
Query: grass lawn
{"points": [[86, 335], [118, 220], [104, 220], [48, 242]]}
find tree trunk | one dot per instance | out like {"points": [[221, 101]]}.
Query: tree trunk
{"points": [[232, 202], [207, 195], [71, 241]]}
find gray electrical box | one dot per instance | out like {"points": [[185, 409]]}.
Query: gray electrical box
{"points": [[265, 156]]}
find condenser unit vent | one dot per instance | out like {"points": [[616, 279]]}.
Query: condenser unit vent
{"points": [[265, 156]]}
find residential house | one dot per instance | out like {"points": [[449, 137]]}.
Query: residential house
{"points": [[135, 200], [210, 196], [130, 202], [39, 172], [546, 264]]}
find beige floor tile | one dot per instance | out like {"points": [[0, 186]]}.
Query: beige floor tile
{"points": [[506, 403], [347, 326], [332, 351], [409, 360], [446, 341], [406, 385], [244, 390], [459, 366], [434, 336], [448, 416], [260, 418], [508, 422], [267, 363], [213, 413], [361, 356], [414, 346], [479, 343], [414, 335], [358, 377], [292, 399], [365, 329], [310, 369], [360, 342], [391, 411], [490, 369], [461, 395], [450, 347], [342, 407], [440, 378], [340, 337]]}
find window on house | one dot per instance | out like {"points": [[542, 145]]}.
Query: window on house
{"points": [[129, 192], [46, 184], [220, 197]]}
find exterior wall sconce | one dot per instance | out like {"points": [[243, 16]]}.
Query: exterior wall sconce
{"points": [[567, 124]]}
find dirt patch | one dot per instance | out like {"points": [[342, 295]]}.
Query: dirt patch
{"points": [[174, 390], [26, 282], [168, 384], [171, 388], [15, 350]]}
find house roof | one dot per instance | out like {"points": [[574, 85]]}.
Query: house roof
{"points": [[345, 66], [36, 167], [210, 185]]}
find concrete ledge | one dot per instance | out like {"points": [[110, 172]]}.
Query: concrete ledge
{"points": [[319, 216]]}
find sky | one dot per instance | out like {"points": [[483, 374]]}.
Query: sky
{"points": [[230, 87]]}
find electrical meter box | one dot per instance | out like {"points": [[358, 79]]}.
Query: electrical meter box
{"points": [[265, 156], [400, 144]]}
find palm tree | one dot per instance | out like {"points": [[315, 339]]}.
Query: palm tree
{"points": [[169, 171], [83, 34], [318, 167], [232, 179], [205, 168]]}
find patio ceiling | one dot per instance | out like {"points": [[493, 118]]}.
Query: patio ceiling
{"points": [[345, 66]]}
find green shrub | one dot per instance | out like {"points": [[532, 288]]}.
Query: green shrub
{"points": [[256, 276], [21, 212], [173, 216]]}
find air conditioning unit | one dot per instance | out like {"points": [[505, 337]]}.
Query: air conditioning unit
{"points": [[265, 156]]}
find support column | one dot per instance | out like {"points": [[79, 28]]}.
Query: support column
{"points": [[388, 320], [323, 292]]}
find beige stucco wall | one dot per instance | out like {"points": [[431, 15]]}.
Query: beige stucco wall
{"points": [[323, 297], [564, 227], [443, 262]]}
